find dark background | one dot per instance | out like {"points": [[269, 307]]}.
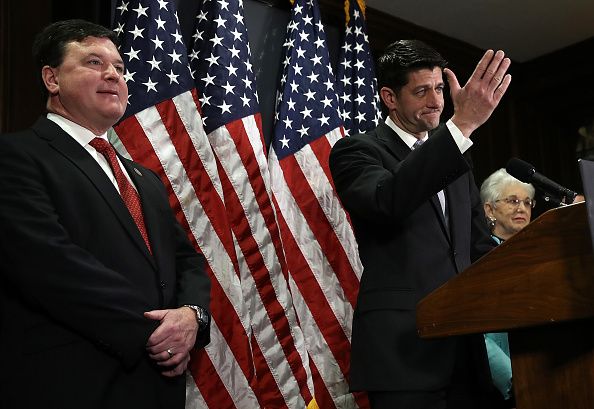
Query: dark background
{"points": [[549, 99]]}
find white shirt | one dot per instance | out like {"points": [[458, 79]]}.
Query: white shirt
{"points": [[83, 136], [463, 143]]}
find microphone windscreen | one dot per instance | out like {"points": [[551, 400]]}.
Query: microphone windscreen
{"points": [[520, 170]]}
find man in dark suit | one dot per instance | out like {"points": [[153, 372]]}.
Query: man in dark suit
{"points": [[418, 221], [102, 296]]}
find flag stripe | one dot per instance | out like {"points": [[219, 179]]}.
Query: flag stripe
{"points": [[313, 230], [323, 263], [314, 303], [330, 212], [220, 378], [336, 214], [322, 358], [315, 299], [323, 397], [220, 62], [263, 264], [257, 299]]}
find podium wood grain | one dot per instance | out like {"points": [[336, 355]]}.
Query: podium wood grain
{"points": [[539, 287]]}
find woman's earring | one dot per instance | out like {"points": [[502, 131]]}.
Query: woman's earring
{"points": [[492, 221]]}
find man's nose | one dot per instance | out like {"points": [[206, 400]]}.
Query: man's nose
{"points": [[111, 72], [433, 98]]}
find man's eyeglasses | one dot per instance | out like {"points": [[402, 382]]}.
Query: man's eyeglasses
{"points": [[515, 202]]}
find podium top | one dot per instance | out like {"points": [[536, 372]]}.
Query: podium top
{"points": [[542, 275]]}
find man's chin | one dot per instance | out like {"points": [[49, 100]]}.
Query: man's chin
{"points": [[431, 125]]}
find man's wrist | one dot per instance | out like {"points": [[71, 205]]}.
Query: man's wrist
{"points": [[462, 142], [202, 316], [464, 127]]}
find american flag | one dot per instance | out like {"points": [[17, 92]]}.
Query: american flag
{"points": [[217, 186], [226, 84], [357, 84], [322, 257]]}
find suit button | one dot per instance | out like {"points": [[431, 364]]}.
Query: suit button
{"points": [[163, 285], [454, 253]]}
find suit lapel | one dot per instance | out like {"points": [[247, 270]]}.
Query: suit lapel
{"points": [[396, 145], [392, 141], [71, 150], [439, 213], [458, 191]]}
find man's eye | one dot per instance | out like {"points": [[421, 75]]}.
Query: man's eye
{"points": [[95, 62]]}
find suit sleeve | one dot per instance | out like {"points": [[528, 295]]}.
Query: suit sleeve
{"points": [[192, 280], [480, 240], [55, 278], [376, 186], [193, 284]]}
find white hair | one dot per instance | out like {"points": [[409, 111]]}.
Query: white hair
{"points": [[493, 186]]}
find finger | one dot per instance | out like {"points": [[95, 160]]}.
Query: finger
{"points": [[155, 314], [179, 369], [499, 74], [159, 342], [163, 356], [498, 94], [163, 333], [162, 337], [157, 339], [482, 66], [494, 66], [452, 81]]}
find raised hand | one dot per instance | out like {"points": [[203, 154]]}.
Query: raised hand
{"points": [[475, 102], [170, 344]]}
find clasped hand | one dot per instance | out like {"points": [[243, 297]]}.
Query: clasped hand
{"points": [[170, 344]]}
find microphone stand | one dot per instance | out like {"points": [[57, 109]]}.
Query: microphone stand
{"points": [[558, 201]]}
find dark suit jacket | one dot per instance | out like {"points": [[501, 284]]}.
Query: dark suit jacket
{"points": [[406, 250], [77, 277]]}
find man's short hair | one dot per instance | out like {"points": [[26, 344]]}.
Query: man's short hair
{"points": [[402, 57], [50, 44]]}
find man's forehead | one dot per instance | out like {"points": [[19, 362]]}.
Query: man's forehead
{"points": [[92, 41], [425, 75], [90, 44]]}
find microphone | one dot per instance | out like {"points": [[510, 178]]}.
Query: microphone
{"points": [[526, 173]]}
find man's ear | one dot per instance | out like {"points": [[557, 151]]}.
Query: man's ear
{"points": [[49, 76], [389, 97]]}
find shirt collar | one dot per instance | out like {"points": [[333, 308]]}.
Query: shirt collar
{"points": [[406, 137], [79, 133]]}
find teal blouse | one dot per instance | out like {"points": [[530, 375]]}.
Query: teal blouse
{"points": [[499, 357]]}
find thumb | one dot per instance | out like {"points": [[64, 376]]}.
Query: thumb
{"points": [[155, 314], [452, 81]]}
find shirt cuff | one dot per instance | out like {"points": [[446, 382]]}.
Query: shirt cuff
{"points": [[463, 143]]}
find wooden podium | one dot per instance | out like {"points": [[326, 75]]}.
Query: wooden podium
{"points": [[539, 287]]}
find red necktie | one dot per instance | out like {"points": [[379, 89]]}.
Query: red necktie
{"points": [[127, 191]]}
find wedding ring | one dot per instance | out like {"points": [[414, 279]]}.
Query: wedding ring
{"points": [[170, 352]]}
